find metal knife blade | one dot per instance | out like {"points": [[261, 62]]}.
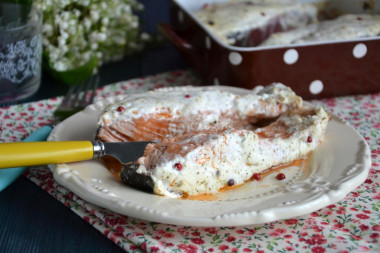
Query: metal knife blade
{"points": [[125, 152]]}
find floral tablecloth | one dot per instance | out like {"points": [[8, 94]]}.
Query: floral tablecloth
{"points": [[352, 225]]}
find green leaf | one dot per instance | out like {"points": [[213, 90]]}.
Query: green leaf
{"points": [[73, 76]]}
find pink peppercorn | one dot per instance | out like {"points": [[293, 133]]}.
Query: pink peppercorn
{"points": [[178, 166], [280, 176], [256, 176]]}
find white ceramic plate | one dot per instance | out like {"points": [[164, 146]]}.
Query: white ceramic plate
{"points": [[338, 165]]}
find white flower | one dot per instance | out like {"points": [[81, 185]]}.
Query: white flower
{"points": [[76, 30], [60, 66], [134, 24], [76, 13], [72, 30], [145, 36], [64, 25], [73, 22], [127, 8], [105, 21], [119, 40], [86, 56], [101, 37], [61, 41], [64, 35], [94, 15], [64, 48], [47, 29], [94, 46], [87, 23], [65, 15]]}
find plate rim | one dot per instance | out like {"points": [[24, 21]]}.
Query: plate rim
{"points": [[64, 176]]}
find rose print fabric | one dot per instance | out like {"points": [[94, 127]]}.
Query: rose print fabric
{"points": [[351, 225]]}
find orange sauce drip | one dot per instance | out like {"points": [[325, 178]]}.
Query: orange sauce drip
{"points": [[301, 163], [202, 197], [113, 166], [296, 163]]}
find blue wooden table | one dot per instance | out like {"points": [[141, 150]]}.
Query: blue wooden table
{"points": [[33, 221]]}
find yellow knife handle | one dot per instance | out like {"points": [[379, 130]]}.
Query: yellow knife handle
{"points": [[21, 154]]}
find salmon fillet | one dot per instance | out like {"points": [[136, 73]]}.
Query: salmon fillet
{"points": [[207, 138], [205, 162], [157, 115]]}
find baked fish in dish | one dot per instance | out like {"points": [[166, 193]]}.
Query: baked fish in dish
{"points": [[348, 26], [156, 115], [205, 162], [234, 21]]}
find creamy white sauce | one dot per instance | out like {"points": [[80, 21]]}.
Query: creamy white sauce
{"points": [[236, 155], [189, 102]]}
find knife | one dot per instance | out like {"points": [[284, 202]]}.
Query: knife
{"points": [[19, 154]]}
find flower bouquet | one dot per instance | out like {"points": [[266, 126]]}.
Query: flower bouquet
{"points": [[81, 35]]}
